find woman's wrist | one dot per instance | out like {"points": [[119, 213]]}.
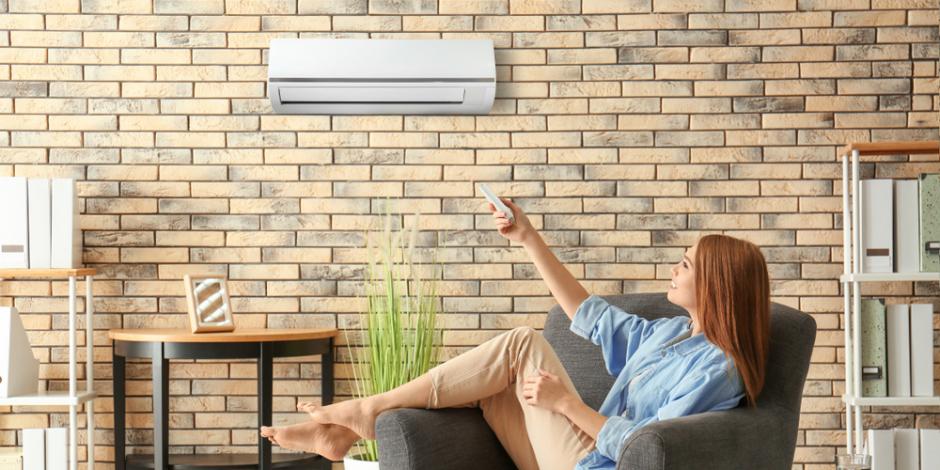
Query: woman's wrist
{"points": [[531, 236], [568, 404]]}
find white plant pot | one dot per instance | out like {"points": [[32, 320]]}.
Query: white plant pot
{"points": [[351, 462]]}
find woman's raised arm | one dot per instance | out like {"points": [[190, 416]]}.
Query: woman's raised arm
{"points": [[568, 292]]}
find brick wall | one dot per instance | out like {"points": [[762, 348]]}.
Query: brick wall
{"points": [[625, 128]]}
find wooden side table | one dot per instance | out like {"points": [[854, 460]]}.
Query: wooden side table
{"points": [[161, 345]]}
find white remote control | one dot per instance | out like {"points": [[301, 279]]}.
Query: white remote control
{"points": [[500, 206]]}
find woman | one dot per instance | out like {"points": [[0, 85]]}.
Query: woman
{"points": [[664, 368]]}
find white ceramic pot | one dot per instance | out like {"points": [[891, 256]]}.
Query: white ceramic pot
{"points": [[351, 462]]}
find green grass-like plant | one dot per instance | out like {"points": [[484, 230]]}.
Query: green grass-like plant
{"points": [[401, 337]]}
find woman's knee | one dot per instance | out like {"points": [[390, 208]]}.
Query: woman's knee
{"points": [[523, 332]]}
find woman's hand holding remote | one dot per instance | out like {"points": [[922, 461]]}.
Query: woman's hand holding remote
{"points": [[520, 230]]}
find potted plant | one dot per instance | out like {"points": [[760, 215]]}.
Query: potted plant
{"points": [[401, 336]]}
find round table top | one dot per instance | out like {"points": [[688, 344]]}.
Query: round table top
{"points": [[240, 335]]}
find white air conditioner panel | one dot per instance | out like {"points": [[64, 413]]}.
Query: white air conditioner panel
{"points": [[381, 76]]}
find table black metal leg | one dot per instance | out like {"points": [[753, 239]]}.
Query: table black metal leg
{"points": [[161, 408], [265, 400], [117, 384], [326, 373]]}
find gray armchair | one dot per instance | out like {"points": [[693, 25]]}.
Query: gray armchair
{"points": [[764, 437]]}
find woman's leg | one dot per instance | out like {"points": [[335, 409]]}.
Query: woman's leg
{"points": [[489, 376]]}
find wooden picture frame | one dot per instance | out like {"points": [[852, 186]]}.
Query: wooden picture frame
{"points": [[208, 303]]}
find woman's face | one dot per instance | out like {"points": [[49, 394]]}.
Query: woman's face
{"points": [[682, 288]]}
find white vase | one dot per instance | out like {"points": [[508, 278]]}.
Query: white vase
{"points": [[352, 462]]}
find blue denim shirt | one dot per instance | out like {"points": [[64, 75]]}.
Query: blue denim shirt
{"points": [[662, 372]]}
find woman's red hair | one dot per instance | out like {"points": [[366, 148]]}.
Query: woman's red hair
{"points": [[732, 293]]}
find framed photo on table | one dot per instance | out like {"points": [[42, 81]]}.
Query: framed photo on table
{"points": [[209, 305]]}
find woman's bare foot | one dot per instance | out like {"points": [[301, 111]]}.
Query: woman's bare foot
{"points": [[307, 407], [358, 415], [330, 441]]}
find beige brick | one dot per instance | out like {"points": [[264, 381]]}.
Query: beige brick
{"points": [[228, 23], [868, 18], [679, 5], [724, 54], [551, 39], [763, 37], [365, 23]]}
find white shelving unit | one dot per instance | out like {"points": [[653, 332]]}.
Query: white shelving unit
{"points": [[73, 398], [852, 278]]}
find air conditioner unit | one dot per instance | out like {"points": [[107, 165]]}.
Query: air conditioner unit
{"points": [[381, 76]]}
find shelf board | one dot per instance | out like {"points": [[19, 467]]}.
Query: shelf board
{"points": [[892, 148], [892, 401], [49, 399], [875, 277], [232, 461], [55, 273]]}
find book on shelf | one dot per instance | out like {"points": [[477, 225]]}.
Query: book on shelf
{"points": [[896, 349], [34, 448], [881, 448], [39, 202], [57, 440], [930, 222], [877, 220], [907, 226], [66, 234], [898, 333], [906, 453], [874, 349], [930, 448], [14, 238], [922, 350]]}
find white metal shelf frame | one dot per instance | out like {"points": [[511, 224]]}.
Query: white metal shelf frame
{"points": [[852, 278], [73, 398]]}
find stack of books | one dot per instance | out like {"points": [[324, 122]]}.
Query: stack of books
{"points": [[40, 223], [45, 449], [897, 349], [904, 449], [900, 225]]}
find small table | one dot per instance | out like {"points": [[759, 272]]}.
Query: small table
{"points": [[161, 345]]}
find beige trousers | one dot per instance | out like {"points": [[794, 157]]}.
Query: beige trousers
{"points": [[491, 377]]}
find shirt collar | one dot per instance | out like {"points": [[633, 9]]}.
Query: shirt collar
{"points": [[685, 343]]}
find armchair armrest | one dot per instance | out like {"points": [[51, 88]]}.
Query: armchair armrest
{"points": [[454, 438], [732, 439]]}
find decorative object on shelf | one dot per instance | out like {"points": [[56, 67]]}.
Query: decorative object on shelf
{"points": [[402, 336], [19, 369], [209, 304], [930, 222]]}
